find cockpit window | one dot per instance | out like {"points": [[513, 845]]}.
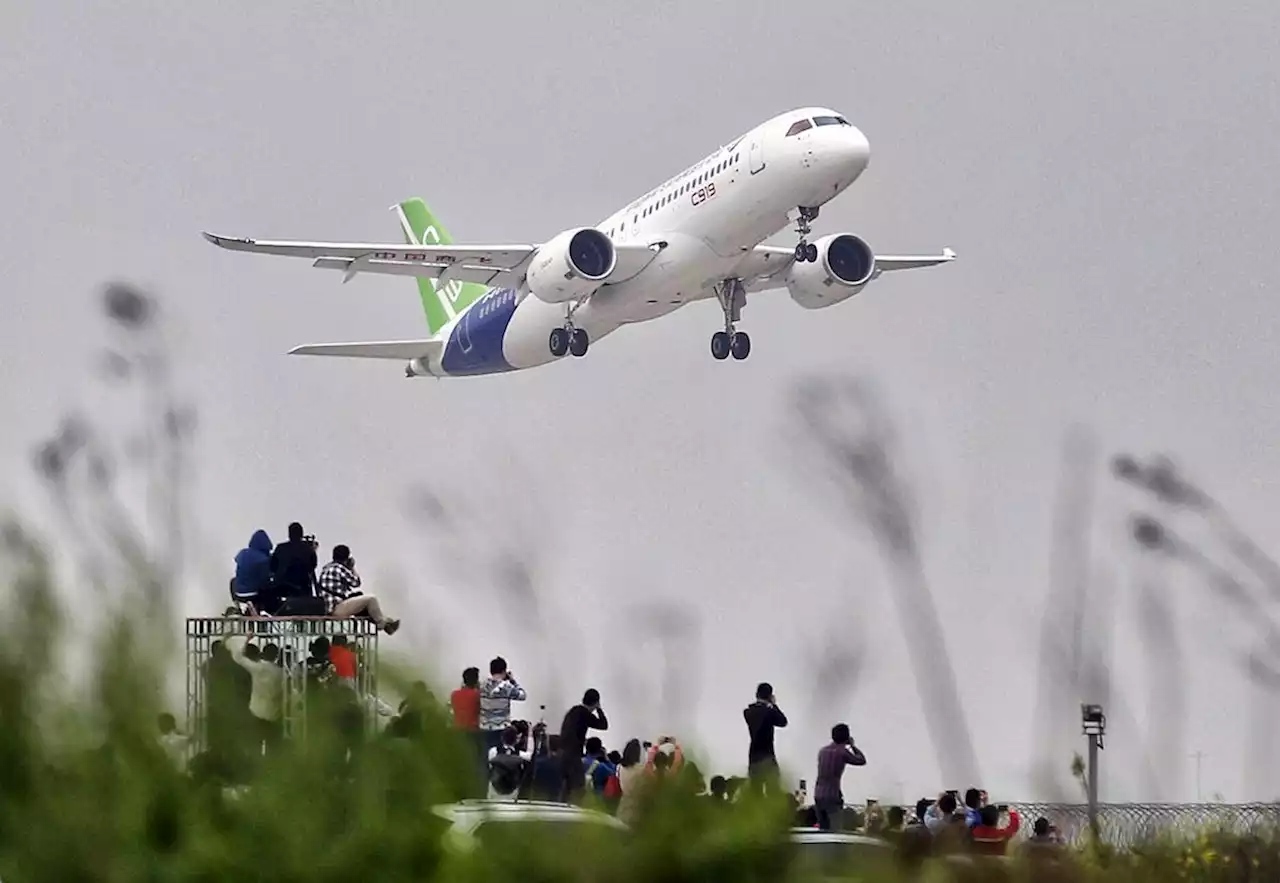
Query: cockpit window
{"points": [[799, 127], [844, 122], [828, 121]]}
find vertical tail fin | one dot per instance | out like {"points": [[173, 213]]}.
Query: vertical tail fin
{"points": [[441, 301]]}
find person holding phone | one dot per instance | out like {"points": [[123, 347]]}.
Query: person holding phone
{"points": [[763, 716], [828, 796], [989, 836]]}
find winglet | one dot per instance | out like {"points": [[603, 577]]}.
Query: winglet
{"points": [[949, 254], [234, 243]]}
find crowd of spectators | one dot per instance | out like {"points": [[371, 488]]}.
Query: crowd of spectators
{"points": [[520, 761], [515, 760]]}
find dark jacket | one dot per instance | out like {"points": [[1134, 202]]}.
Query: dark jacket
{"points": [[762, 718], [573, 731], [253, 565], [228, 689], [293, 566], [546, 777]]}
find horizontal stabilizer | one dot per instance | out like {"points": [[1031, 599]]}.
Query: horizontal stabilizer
{"points": [[402, 350]]}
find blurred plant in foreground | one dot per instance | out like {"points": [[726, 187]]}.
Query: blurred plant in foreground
{"points": [[88, 794], [850, 443]]}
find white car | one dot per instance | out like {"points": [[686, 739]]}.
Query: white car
{"points": [[842, 856], [472, 823]]}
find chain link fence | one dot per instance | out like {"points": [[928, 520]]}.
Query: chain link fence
{"points": [[1126, 824]]}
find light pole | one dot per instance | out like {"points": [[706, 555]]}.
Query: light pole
{"points": [[1094, 726]]}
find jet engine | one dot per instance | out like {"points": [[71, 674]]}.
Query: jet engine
{"points": [[571, 265], [845, 264]]}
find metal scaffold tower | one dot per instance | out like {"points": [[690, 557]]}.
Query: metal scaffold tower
{"points": [[296, 638]]}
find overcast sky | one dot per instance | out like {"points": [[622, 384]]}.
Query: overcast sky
{"points": [[1106, 172]]}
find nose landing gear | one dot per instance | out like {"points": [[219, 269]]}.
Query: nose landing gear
{"points": [[805, 250]]}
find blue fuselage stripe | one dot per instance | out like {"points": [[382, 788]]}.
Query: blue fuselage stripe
{"points": [[475, 344]]}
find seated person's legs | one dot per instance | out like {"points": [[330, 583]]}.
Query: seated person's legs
{"points": [[368, 605]]}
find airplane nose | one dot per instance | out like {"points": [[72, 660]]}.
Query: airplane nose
{"points": [[855, 151]]}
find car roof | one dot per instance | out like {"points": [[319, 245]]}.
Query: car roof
{"points": [[813, 835], [471, 813]]}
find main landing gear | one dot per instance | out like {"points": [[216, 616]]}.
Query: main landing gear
{"points": [[731, 342], [806, 251], [568, 339]]}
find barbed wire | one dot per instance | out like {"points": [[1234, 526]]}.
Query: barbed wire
{"points": [[1128, 824]]}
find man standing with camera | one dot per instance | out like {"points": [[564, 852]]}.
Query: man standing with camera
{"points": [[497, 693], [828, 797], [762, 717], [573, 741]]}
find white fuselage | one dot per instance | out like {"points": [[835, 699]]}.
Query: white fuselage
{"points": [[710, 216]]}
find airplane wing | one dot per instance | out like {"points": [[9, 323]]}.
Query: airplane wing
{"points": [[402, 350], [886, 263], [493, 265], [762, 269]]}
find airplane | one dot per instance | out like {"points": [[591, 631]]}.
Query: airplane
{"points": [[493, 309]]}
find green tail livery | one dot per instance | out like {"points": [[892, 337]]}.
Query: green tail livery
{"points": [[440, 302]]}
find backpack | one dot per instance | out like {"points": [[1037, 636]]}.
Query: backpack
{"points": [[505, 772], [612, 787]]}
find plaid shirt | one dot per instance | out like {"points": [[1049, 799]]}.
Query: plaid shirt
{"points": [[338, 582], [832, 760]]}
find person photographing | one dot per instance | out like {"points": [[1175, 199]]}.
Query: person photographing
{"points": [[828, 795], [763, 716], [587, 715]]}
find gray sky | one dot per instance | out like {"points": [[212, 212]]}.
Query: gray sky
{"points": [[1107, 175]]}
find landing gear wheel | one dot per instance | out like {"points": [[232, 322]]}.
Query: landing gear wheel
{"points": [[802, 252], [740, 345], [578, 342], [811, 253], [720, 345], [559, 341]]}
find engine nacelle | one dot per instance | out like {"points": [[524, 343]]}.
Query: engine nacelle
{"points": [[571, 265], [845, 264]]}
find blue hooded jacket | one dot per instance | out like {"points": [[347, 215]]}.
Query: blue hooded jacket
{"points": [[253, 565]]}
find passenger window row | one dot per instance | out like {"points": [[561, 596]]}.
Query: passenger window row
{"points": [[684, 188]]}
